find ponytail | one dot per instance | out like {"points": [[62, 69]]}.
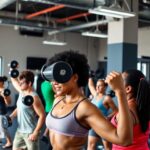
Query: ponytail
{"points": [[143, 103], [141, 92]]}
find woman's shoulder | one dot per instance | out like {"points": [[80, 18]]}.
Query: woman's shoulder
{"points": [[86, 105], [107, 99]]}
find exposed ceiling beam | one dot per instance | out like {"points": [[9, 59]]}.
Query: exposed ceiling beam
{"points": [[81, 26], [76, 6], [8, 18], [24, 23], [52, 30], [51, 9], [72, 17], [11, 15]]}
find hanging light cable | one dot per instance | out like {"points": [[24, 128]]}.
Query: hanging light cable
{"points": [[97, 33], [54, 40]]}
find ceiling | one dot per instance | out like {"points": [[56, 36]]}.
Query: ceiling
{"points": [[61, 15]]}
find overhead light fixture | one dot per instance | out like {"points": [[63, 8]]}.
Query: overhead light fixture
{"points": [[4, 3], [114, 10], [97, 34], [54, 41]]}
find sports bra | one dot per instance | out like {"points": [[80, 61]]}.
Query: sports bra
{"points": [[67, 125], [100, 105]]}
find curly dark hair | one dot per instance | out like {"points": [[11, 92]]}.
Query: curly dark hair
{"points": [[78, 63], [27, 75], [3, 78]]}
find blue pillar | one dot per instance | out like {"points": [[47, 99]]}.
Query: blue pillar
{"points": [[122, 56], [122, 43]]}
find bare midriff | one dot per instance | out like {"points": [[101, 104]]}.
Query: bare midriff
{"points": [[63, 142]]}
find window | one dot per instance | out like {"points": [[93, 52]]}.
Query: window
{"points": [[1, 69], [144, 66]]}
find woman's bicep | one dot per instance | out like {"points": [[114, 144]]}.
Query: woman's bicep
{"points": [[99, 123], [95, 120]]}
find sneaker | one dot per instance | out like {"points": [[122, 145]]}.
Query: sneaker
{"points": [[7, 146]]}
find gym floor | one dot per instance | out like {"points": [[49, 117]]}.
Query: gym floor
{"points": [[12, 131]]}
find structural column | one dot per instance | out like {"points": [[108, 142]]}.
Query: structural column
{"points": [[122, 43]]}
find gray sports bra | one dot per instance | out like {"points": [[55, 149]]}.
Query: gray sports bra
{"points": [[67, 125]]}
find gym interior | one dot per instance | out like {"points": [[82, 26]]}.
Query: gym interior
{"points": [[26, 25]]}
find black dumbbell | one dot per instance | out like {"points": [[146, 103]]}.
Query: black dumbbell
{"points": [[6, 92], [13, 64], [6, 122], [91, 73], [27, 100], [60, 71], [14, 73]]}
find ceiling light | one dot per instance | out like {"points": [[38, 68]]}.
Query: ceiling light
{"points": [[95, 34], [4, 3], [113, 12], [54, 42]]}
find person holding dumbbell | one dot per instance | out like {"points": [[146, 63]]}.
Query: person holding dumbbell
{"points": [[30, 113], [5, 100], [73, 115], [103, 102]]}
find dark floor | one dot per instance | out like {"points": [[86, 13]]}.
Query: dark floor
{"points": [[12, 130]]}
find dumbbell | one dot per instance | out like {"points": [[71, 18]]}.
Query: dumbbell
{"points": [[91, 73], [6, 92], [6, 122], [13, 64], [14, 73], [60, 71], [27, 100]]}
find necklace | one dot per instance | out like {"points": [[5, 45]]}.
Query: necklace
{"points": [[64, 102], [62, 106]]}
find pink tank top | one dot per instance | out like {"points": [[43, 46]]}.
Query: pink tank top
{"points": [[140, 139]]}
